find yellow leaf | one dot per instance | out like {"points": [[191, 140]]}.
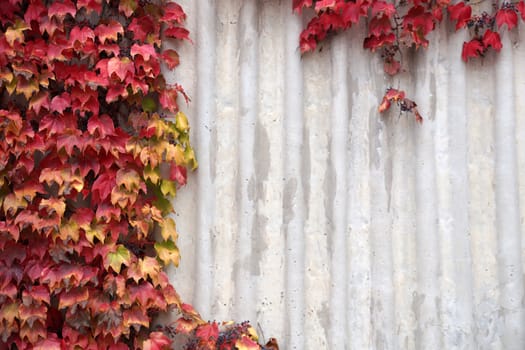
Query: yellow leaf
{"points": [[67, 230], [130, 179], [11, 203], [175, 153], [168, 252], [168, 188], [54, 205], [169, 230], [96, 231], [189, 158], [181, 122], [16, 32], [152, 174]]}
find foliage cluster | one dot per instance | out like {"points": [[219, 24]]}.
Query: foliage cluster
{"points": [[395, 26], [92, 145]]}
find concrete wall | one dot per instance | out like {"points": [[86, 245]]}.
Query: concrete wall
{"points": [[331, 227]]}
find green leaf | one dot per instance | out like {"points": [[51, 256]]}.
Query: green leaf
{"points": [[149, 105], [168, 188], [168, 252], [117, 258]]}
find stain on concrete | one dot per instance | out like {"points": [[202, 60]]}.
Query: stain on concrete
{"points": [[290, 189], [259, 244]]}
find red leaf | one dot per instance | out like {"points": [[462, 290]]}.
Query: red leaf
{"points": [[140, 27], [460, 13], [506, 16], [392, 66], [146, 51], [171, 57], [116, 91], [38, 101], [61, 9], [101, 126], [352, 11], [35, 11], [109, 31], [178, 173], [324, 4], [168, 99], [69, 140], [473, 48], [380, 25], [492, 39], [120, 67], [173, 12], [208, 332], [382, 7], [103, 185], [521, 8], [374, 42], [81, 34], [177, 33], [90, 5], [61, 102], [157, 341], [298, 5]]}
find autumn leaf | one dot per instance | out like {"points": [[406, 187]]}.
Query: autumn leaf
{"points": [[298, 5], [168, 252], [129, 179], [121, 67], [61, 9], [473, 48], [169, 230], [460, 13], [171, 58], [521, 8], [506, 16], [81, 34], [101, 126], [116, 259], [492, 39], [127, 7], [147, 51], [72, 297], [109, 32], [177, 33], [60, 103], [135, 318], [173, 12], [208, 332], [384, 8], [245, 343], [157, 341], [16, 32]]}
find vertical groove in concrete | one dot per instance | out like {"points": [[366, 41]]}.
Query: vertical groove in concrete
{"points": [[293, 198], [331, 227], [338, 187], [205, 119], [507, 203], [248, 62]]}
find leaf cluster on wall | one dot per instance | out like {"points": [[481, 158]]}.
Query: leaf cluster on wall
{"points": [[392, 27]]}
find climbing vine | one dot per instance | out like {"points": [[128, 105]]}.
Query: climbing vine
{"points": [[393, 27], [93, 146]]}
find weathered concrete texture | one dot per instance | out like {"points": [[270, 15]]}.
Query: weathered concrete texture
{"points": [[331, 227]]}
